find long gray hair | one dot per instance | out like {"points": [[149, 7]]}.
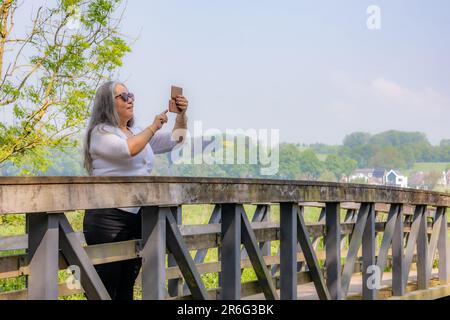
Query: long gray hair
{"points": [[104, 112]]}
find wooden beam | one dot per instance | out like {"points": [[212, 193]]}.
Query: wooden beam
{"points": [[441, 291], [178, 248], [311, 258], [75, 255], [60, 194], [256, 257]]}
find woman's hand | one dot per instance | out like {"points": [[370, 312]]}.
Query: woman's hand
{"points": [[180, 128], [160, 120], [182, 104]]}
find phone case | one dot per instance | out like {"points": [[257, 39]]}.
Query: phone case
{"points": [[173, 107], [176, 91]]}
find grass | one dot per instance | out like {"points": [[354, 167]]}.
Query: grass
{"points": [[427, 167], [442, 189], [431, 166]]}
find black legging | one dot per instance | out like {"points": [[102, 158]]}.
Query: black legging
{"points": [[114, 225]]}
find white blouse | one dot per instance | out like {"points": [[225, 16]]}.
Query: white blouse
{"points": [[111, 156]]}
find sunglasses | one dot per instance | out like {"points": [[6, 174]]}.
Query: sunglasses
{"points": [[125, 96]]}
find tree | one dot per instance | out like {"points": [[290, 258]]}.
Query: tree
{"points": [[444, 151], [66, 163], [310, 165], [340, 166], [388, 158], [445, 143], [289, 161], [408, 154], [328, 176], [357, 139], [55, 68], [323, 148], [360, 153], [399, 138]]}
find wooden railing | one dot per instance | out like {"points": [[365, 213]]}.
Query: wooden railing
{"points": [[410, 224]]}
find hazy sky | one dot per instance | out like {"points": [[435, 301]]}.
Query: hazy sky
{"points": [[309, 68]]}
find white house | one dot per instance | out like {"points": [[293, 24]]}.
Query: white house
{"points": [[370, 176], [394, 178], [446, 179], [363, 174], [443, 180]]}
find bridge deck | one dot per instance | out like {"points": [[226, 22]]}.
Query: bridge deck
{"points": [[308, 291]]}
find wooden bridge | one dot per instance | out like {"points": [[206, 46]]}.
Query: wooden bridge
{"points": [[370, 235]]}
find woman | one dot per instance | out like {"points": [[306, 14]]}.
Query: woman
{"points": [[115, 147]]}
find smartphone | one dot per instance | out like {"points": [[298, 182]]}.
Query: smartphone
{"points": [[174, 92]]}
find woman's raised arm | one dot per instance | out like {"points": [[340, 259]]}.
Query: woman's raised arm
{"points": [[138, 142]]}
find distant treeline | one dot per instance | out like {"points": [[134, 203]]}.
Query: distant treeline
{"points": [[389, 150]]}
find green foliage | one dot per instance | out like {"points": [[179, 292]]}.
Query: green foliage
{"points": [[431, 166], [64, 162], [310, 166], [13, 284], [328, 176], [290, 163], [356, 139], [50, 97], [393, 149], [321, 148], [399, 138], [340, 166], [11, 225], [296, 164], [388, 157], [360, 153]]}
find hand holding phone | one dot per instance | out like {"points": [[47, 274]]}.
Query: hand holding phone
{"points": [[175, 91]]}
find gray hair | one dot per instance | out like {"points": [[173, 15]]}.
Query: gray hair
{"points": [[104, 112]]}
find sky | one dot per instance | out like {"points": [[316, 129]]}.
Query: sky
{"points": [[311, 69]]}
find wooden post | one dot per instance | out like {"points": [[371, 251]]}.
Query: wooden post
{"points": [[174, 284], [288, 251], [231, 252], [153, 254], [368, 253], [443, 247], [43, 246], [333, 250], [423, 272]]}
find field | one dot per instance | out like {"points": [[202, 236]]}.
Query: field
{"points": [[427, 167], [431, 166]]}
